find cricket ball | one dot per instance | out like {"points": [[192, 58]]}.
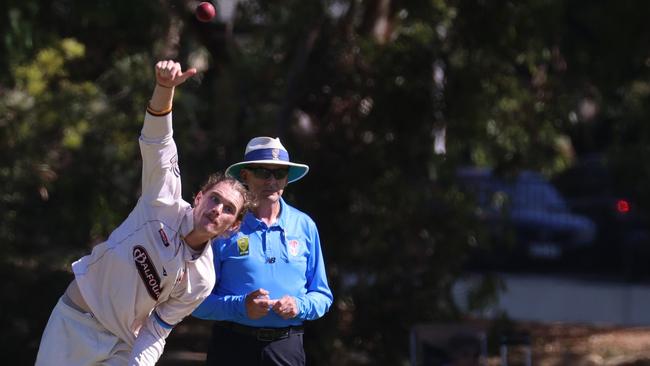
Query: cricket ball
{"points": [[205, 11]]}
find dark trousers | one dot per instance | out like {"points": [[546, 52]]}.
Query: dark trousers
{"points": [[231, 347]]}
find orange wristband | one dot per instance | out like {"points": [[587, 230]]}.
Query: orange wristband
{"points": [[156, 113]]}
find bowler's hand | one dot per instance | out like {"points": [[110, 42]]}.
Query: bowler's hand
{"points": [[286, 307], [258, 303], [169, 73]]}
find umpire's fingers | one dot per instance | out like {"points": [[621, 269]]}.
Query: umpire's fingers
{"points": [[260, 292], [266, 304]]}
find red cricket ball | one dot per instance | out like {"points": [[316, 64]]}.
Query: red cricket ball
{"points": [[205, 11]]}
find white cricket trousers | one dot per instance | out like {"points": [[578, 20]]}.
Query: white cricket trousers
{"points": [[74, 338]]}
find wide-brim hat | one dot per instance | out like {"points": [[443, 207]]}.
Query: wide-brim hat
{"points": [[268, 150]]}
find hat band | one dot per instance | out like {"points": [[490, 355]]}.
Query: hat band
{"points": [[267, 154]]}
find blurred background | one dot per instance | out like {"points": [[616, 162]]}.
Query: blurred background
{"points": [[457, 148]]}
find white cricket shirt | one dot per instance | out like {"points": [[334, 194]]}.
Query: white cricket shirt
{"points": [[145, 265]]}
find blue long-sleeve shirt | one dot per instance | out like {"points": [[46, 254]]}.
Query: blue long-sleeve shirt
{"points": [[285, 259]]}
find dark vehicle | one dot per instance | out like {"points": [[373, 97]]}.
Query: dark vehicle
{"points": [[531, 209], [591, 189]]}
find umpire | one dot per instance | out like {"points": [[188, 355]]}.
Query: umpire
{"points": [[271, 274]]}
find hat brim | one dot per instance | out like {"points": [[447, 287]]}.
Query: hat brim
{"points": [[296, 171]]}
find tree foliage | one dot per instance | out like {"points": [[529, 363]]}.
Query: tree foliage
{"points": [[362, 91]]}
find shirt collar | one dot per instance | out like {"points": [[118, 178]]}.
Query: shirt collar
{"points": [[251, 222]]}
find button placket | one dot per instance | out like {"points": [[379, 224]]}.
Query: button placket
{"points": [[268, 250]]}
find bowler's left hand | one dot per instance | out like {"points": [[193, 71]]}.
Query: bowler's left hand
{"points": [[286, 307]]}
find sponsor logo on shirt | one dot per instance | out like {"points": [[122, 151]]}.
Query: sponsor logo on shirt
{"points": [[242, 245], [147, 271], [293, 245], [163, 237]]}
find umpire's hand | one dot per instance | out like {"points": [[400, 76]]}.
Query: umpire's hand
{"points": [[286, 307], [258, 303]]}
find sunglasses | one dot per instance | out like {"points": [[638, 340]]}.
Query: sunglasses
{"points": [[264, 173]]}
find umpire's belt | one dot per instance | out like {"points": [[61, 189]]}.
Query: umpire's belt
{"points": [[262, 334]]}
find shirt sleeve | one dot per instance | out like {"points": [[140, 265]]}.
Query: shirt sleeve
{"points": [[196, 285], [318, 299], [161, 183], [216, 307], [150, 342]]}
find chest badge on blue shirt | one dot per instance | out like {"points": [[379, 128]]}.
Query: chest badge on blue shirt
{"points": [[293, 247], [242, 245]]}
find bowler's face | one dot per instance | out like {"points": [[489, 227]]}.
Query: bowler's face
{"points": [[269, 188], [215, 211]]}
